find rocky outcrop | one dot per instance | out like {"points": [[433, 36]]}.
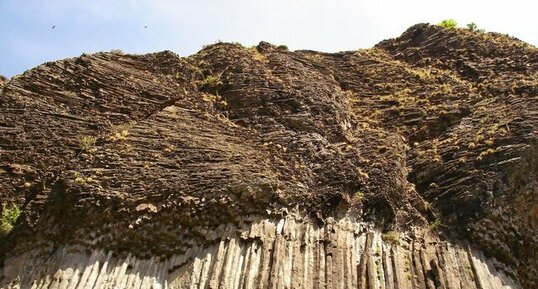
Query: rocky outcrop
{"points": [[155, 156], [265, 253]]}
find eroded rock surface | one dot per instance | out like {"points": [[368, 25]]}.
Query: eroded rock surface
{"points": [[272, 253], [144, 155]]}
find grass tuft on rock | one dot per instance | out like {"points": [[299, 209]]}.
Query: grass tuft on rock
{"points": [[10, 214]]}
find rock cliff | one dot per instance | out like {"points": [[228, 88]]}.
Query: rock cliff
{"points": [[413, 164]]}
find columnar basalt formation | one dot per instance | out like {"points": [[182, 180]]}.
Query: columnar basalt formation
{"points": [[278, 253], [412, 164]]}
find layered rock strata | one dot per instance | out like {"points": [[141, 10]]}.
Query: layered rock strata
{"points": [[144, 155]]}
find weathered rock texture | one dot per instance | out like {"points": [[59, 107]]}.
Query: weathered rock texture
{"points": [[148, 156], [285, 253]]}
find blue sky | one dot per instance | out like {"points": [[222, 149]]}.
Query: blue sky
{"points": [[85, 26]]}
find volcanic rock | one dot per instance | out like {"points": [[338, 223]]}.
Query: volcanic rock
{"points": [[413, 164]]}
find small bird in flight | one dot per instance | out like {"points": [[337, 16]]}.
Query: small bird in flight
{"points": [[145, 27], [53, 26]]}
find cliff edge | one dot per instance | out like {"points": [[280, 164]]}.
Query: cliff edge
{"points": [[413, 164]]}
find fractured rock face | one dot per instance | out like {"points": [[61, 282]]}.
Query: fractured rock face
{"points": [[285, 253], [149, 155]]}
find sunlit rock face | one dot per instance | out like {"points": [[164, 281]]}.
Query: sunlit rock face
{"points": [[412, 164], [273, 253]]}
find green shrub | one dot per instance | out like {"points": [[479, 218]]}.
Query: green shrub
{"points": [[257, 55], [121, 132], [9, 216], [448, 23], [435, 225], [358, 195], [391, 237], [212, 83], [238, 44], [212, 80], [87, 143], [472, 26]]}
